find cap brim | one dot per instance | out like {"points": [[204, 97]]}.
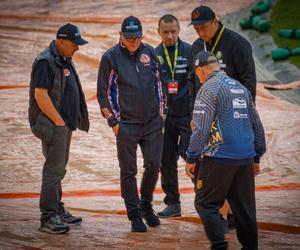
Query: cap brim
{"points": [[135, 34], [80, 41], [200, 22]]}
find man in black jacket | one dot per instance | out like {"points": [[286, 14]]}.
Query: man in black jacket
{"points": [[131, 99], [233, 52], [56, 108], [173, 55]]}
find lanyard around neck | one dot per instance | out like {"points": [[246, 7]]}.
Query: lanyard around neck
{"points": [[217, 40], [169, 60]]}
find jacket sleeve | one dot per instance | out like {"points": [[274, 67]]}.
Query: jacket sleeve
{"points": [[203, 116], [107, 91], [244, 66], [158, 84], [258, 131]]}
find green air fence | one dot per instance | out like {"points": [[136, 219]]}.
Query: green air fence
{"points": [[280, 53], [289, 33], [261, 7]]}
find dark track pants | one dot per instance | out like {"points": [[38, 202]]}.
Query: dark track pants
{"points": [[56, 156], [149, 137], [176, 139], [217, 182]]}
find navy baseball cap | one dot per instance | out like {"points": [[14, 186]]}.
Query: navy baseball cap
{"points": [[202, 15], [203, 58], [132, 27], [70, 32]]}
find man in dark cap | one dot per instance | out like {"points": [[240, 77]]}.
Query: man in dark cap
{"points": [[57, 107], [233, 53], [229, 137], [131, 99]]}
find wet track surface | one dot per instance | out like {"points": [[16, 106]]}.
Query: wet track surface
{"points": [[91, 186]]}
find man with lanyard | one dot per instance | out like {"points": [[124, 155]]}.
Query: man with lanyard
{"points": [[57, 107], [131, 99], [173, 55], [233, 52]]}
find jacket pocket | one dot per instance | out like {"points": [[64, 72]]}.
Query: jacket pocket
{"points": [[44, 129]]}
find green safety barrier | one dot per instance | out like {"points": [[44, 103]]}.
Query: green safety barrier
{"points": [[260, 24], [289, 33], [256, 22], [284, 53], [261, 7]]}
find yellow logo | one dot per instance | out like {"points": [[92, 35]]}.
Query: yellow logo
{"points": [[199, 184], [219, 55]]}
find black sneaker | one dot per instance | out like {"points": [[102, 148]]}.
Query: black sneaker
{"points": [[173, 210], [54, 226], [151, 219], [137, 225], [231, 221], [67, 217]]}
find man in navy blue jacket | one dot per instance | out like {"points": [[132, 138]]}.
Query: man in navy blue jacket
{"points": [[131, 99], [173, 55], [229, 136]]}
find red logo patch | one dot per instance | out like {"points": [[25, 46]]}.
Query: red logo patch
{"points": [[145, 58], [66, 72]]}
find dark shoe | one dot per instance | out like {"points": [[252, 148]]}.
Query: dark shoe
{"points": [[54, 226], [151, 219], [67, 217], [231, 221], [225, 225], [173, 210], [137, 225]]}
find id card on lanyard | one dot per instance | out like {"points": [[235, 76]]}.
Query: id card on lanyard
{"points": [[172, 85]]}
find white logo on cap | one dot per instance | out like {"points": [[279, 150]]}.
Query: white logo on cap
{"points": [[197, 62]]}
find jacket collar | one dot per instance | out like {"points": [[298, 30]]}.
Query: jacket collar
{"points": [[54, 51]]}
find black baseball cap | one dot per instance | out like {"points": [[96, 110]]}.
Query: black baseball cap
{"points": [[202, 59], [132, 27], [202, 15], [70, 32]]}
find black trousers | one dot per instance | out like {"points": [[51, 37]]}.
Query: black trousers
{"points": [[176, 138], [216, 182], [56, 156], [149, 137]]}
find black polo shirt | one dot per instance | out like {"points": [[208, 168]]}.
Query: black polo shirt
{"points": [[43, 78]]}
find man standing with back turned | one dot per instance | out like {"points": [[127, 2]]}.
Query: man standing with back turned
{"points": [[228, 134], [131, 99], [57, 107], [173, 55], [234, 54]]}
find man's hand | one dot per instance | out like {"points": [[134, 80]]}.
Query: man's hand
{"points": [[192, 124], [116, 129], [190, 170], [256, 169]]}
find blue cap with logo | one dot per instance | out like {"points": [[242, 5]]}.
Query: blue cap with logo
{"points": [[70, 32], [204, 58], [202, 15], [132, 27]]}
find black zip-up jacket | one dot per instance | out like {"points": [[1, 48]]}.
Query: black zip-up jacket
{"points": [[178, 104], [129, 86], [234, 54]]}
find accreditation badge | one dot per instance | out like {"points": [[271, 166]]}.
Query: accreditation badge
{"points": [[173, 88]]}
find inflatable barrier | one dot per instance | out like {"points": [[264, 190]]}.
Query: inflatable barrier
{"points": [[257, 22], [289, 33], [284, 53], [261, 7]]}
